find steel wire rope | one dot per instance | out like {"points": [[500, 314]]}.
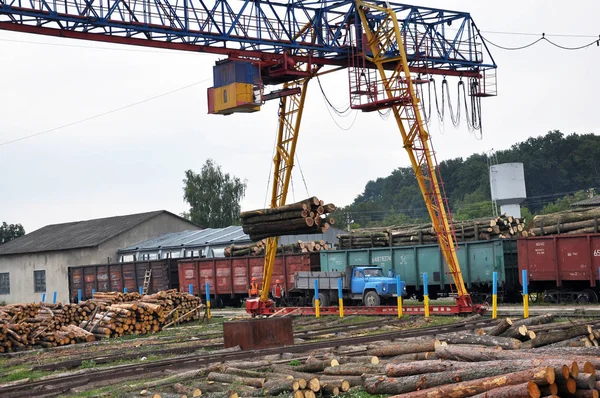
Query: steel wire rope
{"points": [[343, 113], [102, 114], [337, 124]]}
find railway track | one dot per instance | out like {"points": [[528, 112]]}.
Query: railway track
{"points": [[54, 385], [303, 334]]}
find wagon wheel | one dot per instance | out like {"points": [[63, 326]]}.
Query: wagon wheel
{"points": [[550, 297], [592, 295]]}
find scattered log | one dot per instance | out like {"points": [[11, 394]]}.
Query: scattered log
{"points": [[523, 390], [540, 376]]}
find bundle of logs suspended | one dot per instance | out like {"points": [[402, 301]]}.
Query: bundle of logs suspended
{"points": [[309, 216], [566, 222], [258, 248], [418, 234]]}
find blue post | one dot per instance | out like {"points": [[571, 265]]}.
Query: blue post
{"points": [[207, 300], [525, 295], [191, 289], [93, 292], [141, 289], [399, 292], [79, 296], [124, 290], [494, 295], [341, 297], [43, 297], [426, 294], [54, 298], [317, 301]]}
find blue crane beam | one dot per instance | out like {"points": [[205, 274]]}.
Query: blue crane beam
{"points": [[436, 40]]}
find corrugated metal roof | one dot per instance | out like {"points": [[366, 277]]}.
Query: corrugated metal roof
{"points": [[590, 202], [205, 237], [74, 235], [214, 237]]}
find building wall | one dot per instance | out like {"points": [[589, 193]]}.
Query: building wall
{"points": [[21, 266], [56, 264]]}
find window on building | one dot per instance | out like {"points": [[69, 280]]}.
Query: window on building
{"points": [[4, 283], [39, 280]]}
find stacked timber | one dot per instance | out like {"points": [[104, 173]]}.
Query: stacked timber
{"points": [[501, 227], [258, 248], [566, 222], [309, 216], [24, 326], [149, 314], [509, 358]]}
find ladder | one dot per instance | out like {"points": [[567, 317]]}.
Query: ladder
{"points": [[147, 281]]}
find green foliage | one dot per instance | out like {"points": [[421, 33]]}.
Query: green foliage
{"points": [[214, 197], [295, 362], [9, 232], [527, 215], [474, 205], [553, 164], [564, 203], [85, 364]]}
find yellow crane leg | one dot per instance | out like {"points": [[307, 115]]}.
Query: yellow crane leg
{"points": [[384, 41], [290, 117]]}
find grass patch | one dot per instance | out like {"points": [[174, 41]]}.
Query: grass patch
{"points": [[359, 393], [87, 364], [21, 374], [295, 362]]}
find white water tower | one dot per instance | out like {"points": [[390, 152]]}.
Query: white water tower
{"points": [[507, 182]]}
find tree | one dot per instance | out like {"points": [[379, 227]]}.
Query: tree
{"points": [[10, 232], [564, 203], [214, 197]]}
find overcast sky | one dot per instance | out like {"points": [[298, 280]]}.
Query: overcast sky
{"points": [[134, 160]]}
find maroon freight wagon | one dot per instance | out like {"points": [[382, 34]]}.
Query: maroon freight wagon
{"points": [[562, 267], [229, 277], [117, 276]]}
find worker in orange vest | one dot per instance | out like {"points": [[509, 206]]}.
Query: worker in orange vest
{"points": [[253, 291], [277, 293]]}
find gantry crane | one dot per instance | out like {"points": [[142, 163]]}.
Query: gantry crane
{"points": [[386, 47]]}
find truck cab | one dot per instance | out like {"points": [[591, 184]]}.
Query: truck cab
{"points": [[369, 284]]}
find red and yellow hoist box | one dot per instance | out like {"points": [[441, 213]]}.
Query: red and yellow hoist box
{"points": [[233, 98]]}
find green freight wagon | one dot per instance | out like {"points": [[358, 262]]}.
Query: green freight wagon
{"points": [[477, 259]]}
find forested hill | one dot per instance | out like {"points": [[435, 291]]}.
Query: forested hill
{"points": [[555, 165]]}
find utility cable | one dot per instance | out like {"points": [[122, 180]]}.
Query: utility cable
{"points": [[102, 114], [543, 38]]}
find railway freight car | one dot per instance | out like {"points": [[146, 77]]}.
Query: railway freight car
{"points": [[478, 260], [118, 276], [561, 268], [229, 278]]}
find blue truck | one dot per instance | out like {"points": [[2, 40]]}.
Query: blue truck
{"points": [[361, 285]]}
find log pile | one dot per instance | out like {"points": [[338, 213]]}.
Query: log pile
{"points": [[309, 216], [45, 325], [24, 326], [149, 314], [566, 222], [511, 358], [502, 227], [258, 248]]}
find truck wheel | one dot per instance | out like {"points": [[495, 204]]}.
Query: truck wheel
{"points": [[371, 299], [324, 300]]}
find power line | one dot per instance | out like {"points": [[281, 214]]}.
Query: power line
{"points": [[542, 38], [102, 114]]}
